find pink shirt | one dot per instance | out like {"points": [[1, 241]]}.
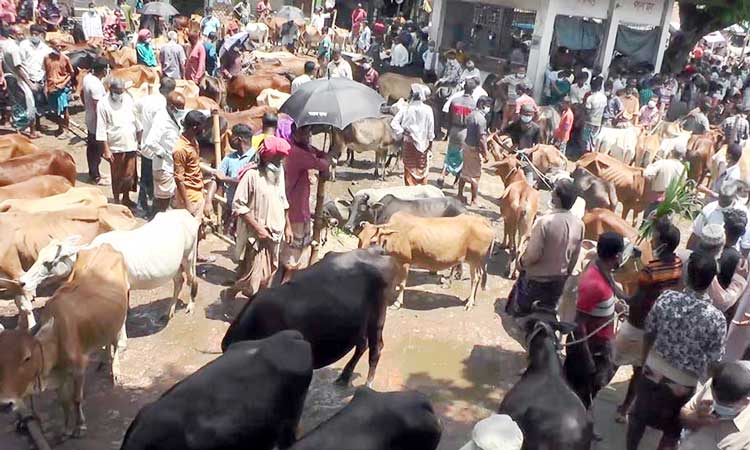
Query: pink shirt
{"points": [[195, 67], [297, 180], [562, 133], [7, 11], [525, 100]]}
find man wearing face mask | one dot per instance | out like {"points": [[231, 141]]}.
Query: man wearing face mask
{"points": [[303, 157], [261, 206], [188, 175], [470, 71], [685, 336], [143, 51], [370, 76], [524, 132], [117, 131], [649, 115], [660, 274], [91, 23], [458, 113], [589, 365], [58, 73], [475, 149], [660, 174], [431, 58], [631, 105], [718, 416], [595, 105], [228, 172], [32, 53], [158, 146], [509, 86], [416, 124]]}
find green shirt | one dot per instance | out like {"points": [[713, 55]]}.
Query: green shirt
{"points": [[145, 54]]}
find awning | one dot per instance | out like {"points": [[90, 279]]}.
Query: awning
{"points": [[714, 38]]}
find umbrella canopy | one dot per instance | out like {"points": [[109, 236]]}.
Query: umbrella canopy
{"points": [[159, 9], [290, 13], [333, 101], [240, 38]]}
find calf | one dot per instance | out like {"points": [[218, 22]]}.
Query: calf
{"points": [[253, 393], [596, 192], [434, 243], [345, 291], [423, 207], [546, 409], [160, 251], [30, 166], [629, 182], [378, 421], [519, 204], [364, 135], [84, 315], [360, 206], [37, 187]]}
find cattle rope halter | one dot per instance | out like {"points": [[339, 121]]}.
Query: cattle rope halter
{"points": [[615, 317]]}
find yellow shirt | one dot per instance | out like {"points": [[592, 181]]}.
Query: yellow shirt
{"points": [[258, 139]]}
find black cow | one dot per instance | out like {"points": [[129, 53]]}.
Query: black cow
{"points": [[597, 192], [543, 405], [250, 397], [378, 421], [337, 304], [423, 207]]}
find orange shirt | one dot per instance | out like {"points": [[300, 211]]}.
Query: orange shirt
{"points": [[58, 70], [562, 133], [187, 169]]}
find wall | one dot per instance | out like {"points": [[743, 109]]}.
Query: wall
{"points": [[641, 12], [582, 8]]}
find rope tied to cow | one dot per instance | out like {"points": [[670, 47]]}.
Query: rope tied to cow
{"points": [[616, 316]]}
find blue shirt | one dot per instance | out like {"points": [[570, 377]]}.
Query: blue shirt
{"points": [[210, 25], [230, 166], [212, 59]]}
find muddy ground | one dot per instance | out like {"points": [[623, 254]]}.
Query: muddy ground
{"points": [[464, 361]]}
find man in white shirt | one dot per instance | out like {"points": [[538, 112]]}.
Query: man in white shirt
{"points": [[158, 146], [318, 18], [117, 131], [416, 124], [713, 213], [431, 59], [305, 77], [729, 169], [11, 62], [146, 110], [399, 54], [338, 67], [471, 71], [32, 52], [93, 92], [365, 35], [660, 175], [595, 104], [91, 23], [579, 88]]}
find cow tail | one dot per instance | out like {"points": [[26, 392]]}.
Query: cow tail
{"points": [[487, 262], [193, 270], [612, 195]]}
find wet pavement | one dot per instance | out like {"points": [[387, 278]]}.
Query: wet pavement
{"points": [[463, 361]]}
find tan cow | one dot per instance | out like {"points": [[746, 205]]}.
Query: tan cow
{"points": [[700, 150], [24, 234], [629, 182], [620, 143], [394, 86], [120, 58], [22, 168], [519, 204], [85, 314], [547, 158], [73, 198], [134, 76], [37, 187], [272, 98], [15, 145], [243, 90], [434, 243]]}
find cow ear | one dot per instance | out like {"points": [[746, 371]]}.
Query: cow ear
{"points": [[376, 206], [43, 330], [564, 327], [346, 203], [588, 245]]}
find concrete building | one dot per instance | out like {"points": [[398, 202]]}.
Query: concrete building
{"points": [[530, 31]]}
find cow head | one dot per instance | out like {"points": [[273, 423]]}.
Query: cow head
{"points": [[359, 211], [23, 363], [55, 261], [542, 341], [374, 235]]}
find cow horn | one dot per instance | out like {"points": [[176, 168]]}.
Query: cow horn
{"points": [[11, 286], [349, 190]]}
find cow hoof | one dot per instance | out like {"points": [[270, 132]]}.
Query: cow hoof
{"points": [[468, 306], [394, 307], [342, 382], [189, 309]]}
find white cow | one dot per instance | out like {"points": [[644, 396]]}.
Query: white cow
{"points": [[618, 143], [161, 250], [258, 32]]}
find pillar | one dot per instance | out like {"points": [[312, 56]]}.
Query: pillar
{"points": [[436, 20], [666, 17], [610, 37], [544, 27]]}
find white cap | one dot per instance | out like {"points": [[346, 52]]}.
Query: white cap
{"points": [[497, 432]]}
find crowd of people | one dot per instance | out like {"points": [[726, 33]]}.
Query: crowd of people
{"points": [[689, 380]]}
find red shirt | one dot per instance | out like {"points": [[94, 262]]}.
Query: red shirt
{"points": [[594, 294], [562, 133], [297, 180]]}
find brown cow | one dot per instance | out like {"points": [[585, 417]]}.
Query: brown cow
{"points": [[85, 314], [629, 181], [213, 88], [15, 145], [72, 198], [120, 58], [23, 168], [364, 135], [519, 204], [138, 75], [200, 102], [393, 86], [25, 234], [37, 187], [434, 243], [701, 148], [242, 90]]}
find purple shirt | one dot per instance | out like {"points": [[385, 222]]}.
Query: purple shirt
{"points": [[296, 165], [284, 128]]}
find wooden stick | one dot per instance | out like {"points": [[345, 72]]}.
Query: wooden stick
{"points": [[216, 138], [318, 223], [35, 432]]}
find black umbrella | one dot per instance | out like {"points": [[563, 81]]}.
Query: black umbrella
{"points": [[159, 9], [290, 13], [332, 101]]}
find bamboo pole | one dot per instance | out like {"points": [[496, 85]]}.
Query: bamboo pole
{"points": [[216, 137], [35, 432], [318, 215]]}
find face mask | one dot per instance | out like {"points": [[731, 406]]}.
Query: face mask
{"points": [[520, 75], [148, 41], [470, 67], [271, 167], [36, 40], [652, 104], [116, 98], [525, 119], [727, 411], [179, 114], [486, 110]]}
